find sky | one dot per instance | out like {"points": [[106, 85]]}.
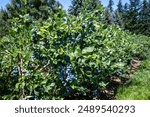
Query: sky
{"points": [[3, 2], [66, 3]]}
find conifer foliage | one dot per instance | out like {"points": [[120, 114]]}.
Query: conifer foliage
{"points": [[36, 9], [133, 16], [79, 5]]}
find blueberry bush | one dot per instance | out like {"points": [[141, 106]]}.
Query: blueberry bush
{"points": [[63, 57]]}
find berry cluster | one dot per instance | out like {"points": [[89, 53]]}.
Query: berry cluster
{"points": [[15, 72], [66, 74], [36, 54]]}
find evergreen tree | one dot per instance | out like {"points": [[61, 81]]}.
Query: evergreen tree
{"points": [[125, 11], [36, 9], [119, 14], [126, 7], [109, 14], [120, 7], [131, 16], [119, 19], [110, 6], [3, 24], [76, 7], [149, 6], [79, 5], [144, 19], [134, 16], [107, 17]]}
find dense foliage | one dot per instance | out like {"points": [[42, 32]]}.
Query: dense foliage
{"points": [[36, 9], [63, 56]]}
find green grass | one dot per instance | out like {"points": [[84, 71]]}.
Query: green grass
{"points": [[139, 89]]}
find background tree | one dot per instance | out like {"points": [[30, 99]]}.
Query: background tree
{"points": [[119, 14], [131, 15], [107, 17], [36, 9], [79, 5], [109, 14], [120, 7], [3, 23], [144, 19], [76, 6], [110, 6], [119, 19]]}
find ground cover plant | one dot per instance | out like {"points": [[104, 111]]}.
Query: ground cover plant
{"points": [[138, 88]]}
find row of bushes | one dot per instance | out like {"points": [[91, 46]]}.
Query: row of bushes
{"points": [[64, 57]]}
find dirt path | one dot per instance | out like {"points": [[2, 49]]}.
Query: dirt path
{"points": [[111, 89]]}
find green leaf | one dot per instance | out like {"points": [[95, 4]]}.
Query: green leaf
{"points": [[87, 50], [52, 84]]}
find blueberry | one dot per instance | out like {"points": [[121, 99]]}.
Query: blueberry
{"points": [[96, 92], [15, 71], [66, 84], [20, 89], [65, 73], [60, 75], [97, 71], [35, 31], [60, 67], [28, 72], [67, 58], [70, 90], [36, 54], [64, 19], [83, 26], [78, 33], [74, 40], [70, 76], [87, 68], [33, 37], [15, 68], [30, 63], [69, 68], [69, 36], [90, 31], [90, 22], [121, 72], [92, 28], [58, 33], [73, 77]]}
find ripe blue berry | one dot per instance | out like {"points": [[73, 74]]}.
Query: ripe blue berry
{"points": [[83, 26], [58, 33], [33, 37]]}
